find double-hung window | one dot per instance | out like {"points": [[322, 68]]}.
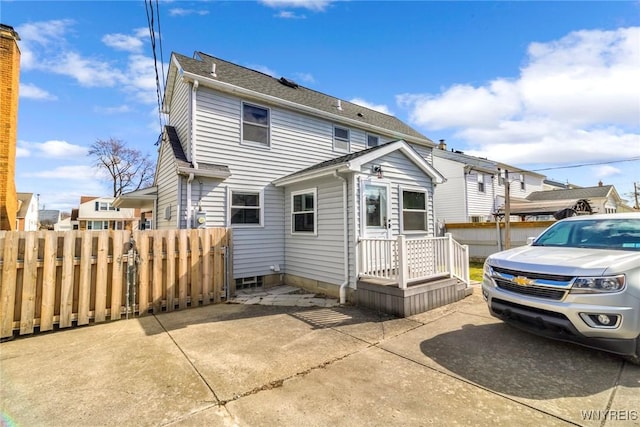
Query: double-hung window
{"points": [[481, 183], [245, 207], [522, 184], [304, 211], [255, 124], [372, 141], [414, 210], [340, 139]]}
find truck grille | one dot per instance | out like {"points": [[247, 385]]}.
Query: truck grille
{"points": [[533, 284]]}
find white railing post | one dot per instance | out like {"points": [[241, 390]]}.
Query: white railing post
{"points": [[450, 258], [403, 268], [465, 264]]}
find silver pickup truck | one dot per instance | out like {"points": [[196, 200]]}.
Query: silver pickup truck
{"points": [[579, 281]]}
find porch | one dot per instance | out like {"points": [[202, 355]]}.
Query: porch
{"points": [[407, 276]]}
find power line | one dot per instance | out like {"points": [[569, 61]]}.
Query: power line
{"points": [[585, 164], [152, 36]]}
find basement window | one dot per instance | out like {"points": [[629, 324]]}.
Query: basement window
{"points": [[249, 282]]}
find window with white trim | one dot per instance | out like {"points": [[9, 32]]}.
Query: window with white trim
{"points": [[245, 207], [372, 141], [105, 206], [97, 225], [304, 211], [522, 185], [481, 183], [414, 210], [340, 139], [255, 124]]}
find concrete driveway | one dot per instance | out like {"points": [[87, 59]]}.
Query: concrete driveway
{"points": [[251, 365]]}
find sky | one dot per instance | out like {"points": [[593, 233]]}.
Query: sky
{"points": [[552, 87]]}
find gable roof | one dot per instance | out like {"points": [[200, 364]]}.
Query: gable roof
{"points": [[24, 200], [353, 162], [573, 193], [248, 83], [470, 162]]}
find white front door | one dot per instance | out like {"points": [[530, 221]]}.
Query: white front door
{"points": [[376, 210]]}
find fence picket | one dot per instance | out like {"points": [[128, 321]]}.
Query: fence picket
{"points": [[29, 280], [206, 267], [66, 289], [183, 267], [142, 240], [47, 307], [156, 286], [171, 269], [194, 262], [84, 290], [101, 276], [8, 290], [116, 273]]}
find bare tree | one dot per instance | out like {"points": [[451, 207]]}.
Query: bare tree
{"points": [[128, 169]]}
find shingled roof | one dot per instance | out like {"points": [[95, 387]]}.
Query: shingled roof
{"points": [[284, 89], [573, 193]]}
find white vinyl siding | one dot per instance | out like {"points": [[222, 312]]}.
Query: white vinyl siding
{"points": [[451, 196], [168, 191], [180, 111], [318, 256]]}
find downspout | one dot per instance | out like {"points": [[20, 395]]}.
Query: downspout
{"points": [[345, 221], [194, 151], [194, 157], [191, 176]]}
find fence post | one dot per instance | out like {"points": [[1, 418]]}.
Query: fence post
{"points": [[403, 267], [465, 264], [449, 237]]}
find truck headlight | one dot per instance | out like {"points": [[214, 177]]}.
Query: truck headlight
{"points": [[590, 285]]}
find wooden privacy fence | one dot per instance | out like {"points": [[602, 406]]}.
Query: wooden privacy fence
{"points": [[62, 279]]}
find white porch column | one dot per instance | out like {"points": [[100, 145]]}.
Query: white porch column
{"points": [[450, 261], [403, 267]]}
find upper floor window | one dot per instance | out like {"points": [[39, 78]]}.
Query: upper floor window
{"points": [[303, 211], [340, 139], [481, 183], [372, 141], [105, 206], [522, 186], [245, 207], [500, 178], [255, 124], [414, 210]]}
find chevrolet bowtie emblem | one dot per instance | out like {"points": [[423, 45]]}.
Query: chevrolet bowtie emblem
{"points": [[523, 281]]}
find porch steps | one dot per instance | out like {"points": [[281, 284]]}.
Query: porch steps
{"points": [[385, 295]]}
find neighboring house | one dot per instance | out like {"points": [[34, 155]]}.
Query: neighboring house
{"points": [[300, 176], [48, 218], [98, 213], [475, 188], [470, 191], [27, 218]]}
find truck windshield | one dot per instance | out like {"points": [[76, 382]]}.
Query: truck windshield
{"points": [[619, 234]]}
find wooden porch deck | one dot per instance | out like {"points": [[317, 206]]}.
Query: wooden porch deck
{"points": [[386, 296]]}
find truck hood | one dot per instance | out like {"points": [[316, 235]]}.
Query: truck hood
{"points": [[565, 261]]}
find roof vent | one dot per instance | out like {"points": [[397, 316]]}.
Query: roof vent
{"points": [[339, 105], [288, 83], [213, 70], [360, 115]]}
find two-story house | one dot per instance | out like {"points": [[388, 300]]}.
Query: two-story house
{"points": [[27, 217], [299, 175], [98, 213], [476, 188]]}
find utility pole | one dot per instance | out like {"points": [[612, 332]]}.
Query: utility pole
{"points": [[635, 194], [507, 211]]}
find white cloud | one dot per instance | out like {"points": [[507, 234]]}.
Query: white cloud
{"points": [[378, 107], [305, 77], [315, 5], [287, 14], [123, 42], [120, 109], [606, 171], [52, 149], [31, 91], [76, 172], [575, 99], [44, 47], [22, 151], [186, 12]]}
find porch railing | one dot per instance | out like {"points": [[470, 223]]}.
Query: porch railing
{"points": [[407, 260]]}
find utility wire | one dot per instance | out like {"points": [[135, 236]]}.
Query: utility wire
{"points": [[152, 36]]}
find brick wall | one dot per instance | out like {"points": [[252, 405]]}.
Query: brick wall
{"points": [[9, 82]]}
